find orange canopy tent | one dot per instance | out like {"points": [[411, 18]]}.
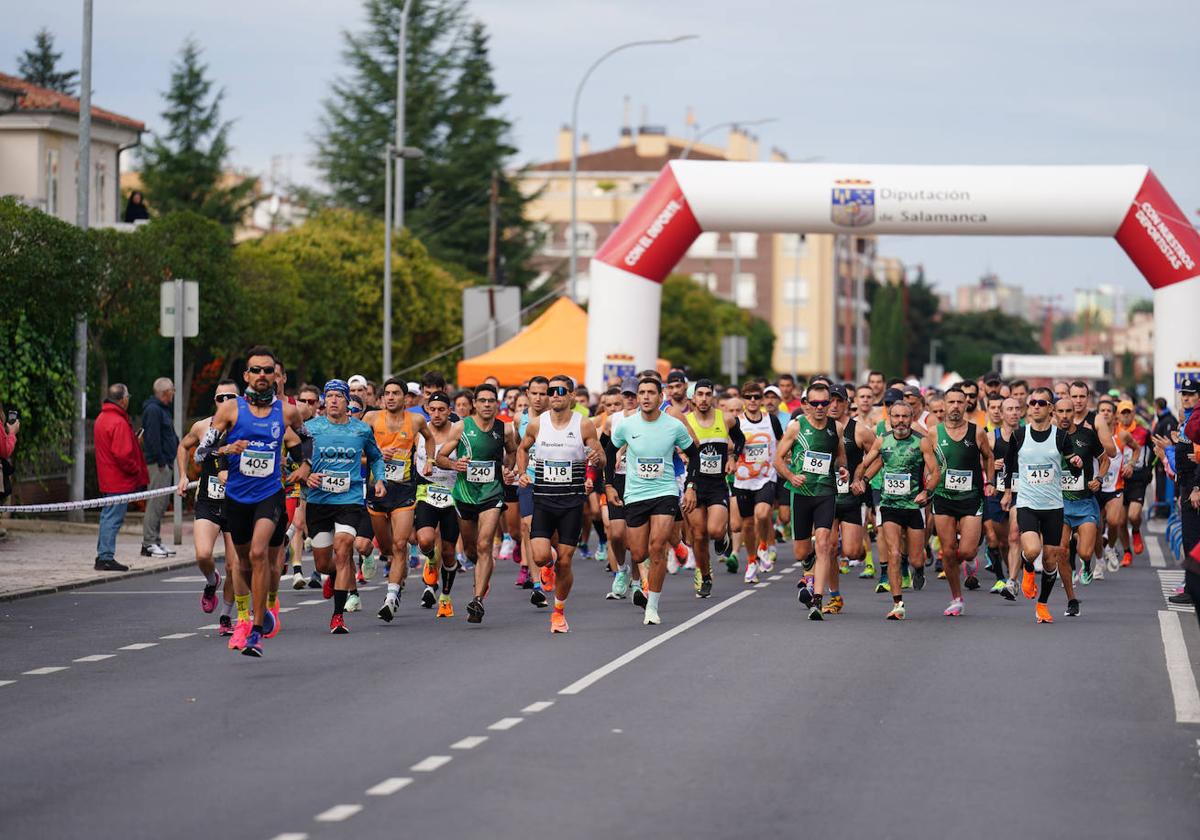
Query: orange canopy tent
{"points": [[556, 342]]}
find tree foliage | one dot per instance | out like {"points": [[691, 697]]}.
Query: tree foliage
{"points": [[183, 168], [889, 333], [920, 322], [969, 339], [39, 65], [693, 321]]}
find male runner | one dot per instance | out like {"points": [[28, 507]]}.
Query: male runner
{"points": [[811, 459], [1034, 465], [614, 489], [719, 438], [484, 450], [539, 402], [1081, 513], [651, 495], [1137, 469], [996, 520], [754, 480], [568, 450], [857, 439], [1112, 508], [308, 400], [435, 517]]}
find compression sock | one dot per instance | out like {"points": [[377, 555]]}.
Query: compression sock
{"points": [[652, 599], [211, 578], [559, 603], [394, 591], [226, 608], [339, 601], [601, 533], [243, 607], [448, 576], [272, 599], [1048, 579]]}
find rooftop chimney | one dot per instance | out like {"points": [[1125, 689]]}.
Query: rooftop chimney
{"points": [[564, 143], [651, 141]]}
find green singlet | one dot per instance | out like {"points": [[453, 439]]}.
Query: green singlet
{"points": [[903, 471], [812, 456], [484, 479]]}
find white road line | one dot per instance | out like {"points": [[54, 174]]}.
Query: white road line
{"points": [[133, 592], [95, 657], [469, 743], [1179, 669], [286, 609], [1154, 549], [505, 724], [310, 601], [428, 765], [185, 579], [762, 585], [539, 706], [389, 786], [291, 835], [139, 646], [49, 669], [788, 570], [177, 635], [338, 813], [625, 658], [7, 682], [210, 627], [776, 577]]}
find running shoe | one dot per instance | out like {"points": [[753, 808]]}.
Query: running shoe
{"points": [[721, 546], [836, 604], [369, 565], [843, 566], [1111, 559], [882, 587], [463, 562], [602, 553], [690, 563], [1139, 545], [353, 602], [1028, 584], [1043, 614], [538, 598], [731, 564], [767, 562], [225, 626], [1098, 569], [583, 551], [941, 575], [1010, 591], [314, 581], [1127, 559], [327, 587], [804, 595], [620, 584], [955, 608], [253, 646], [1072, 608], [868, 571], [814, 613], [298, 581], [918, 578], [639, 597], [428, 597], [651, 616], [1085, 577], [208, 598], [475, 611], [897, 612], [549, 577], [240, 631], [271, 623], [1181, 598], [971, 582], [997, 587], [751, 572], [705, 589], [429, 574], [507, 548], [673, 560], [337, 625], [445, 607], [522, 577], [697, 579], [906, 580], [358, 576], [414, 557], [389, 609], [558, 622]]}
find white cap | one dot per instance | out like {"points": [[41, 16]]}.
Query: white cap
{"points": [[771, 389], [414, 388], [357, 381]]}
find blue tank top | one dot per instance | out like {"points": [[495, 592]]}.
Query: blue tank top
{"points": [[257, 473]]}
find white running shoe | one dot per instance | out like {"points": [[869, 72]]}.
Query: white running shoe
{"points": [[766, 561], [690, 563], [353, 603], [672, 562], [955, 608], [1098, 569], [752, 572], [651, 616], [299, 581], [1112, 558]]}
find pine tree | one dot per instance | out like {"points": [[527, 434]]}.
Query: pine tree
{"points": [[182, 169], [39, 65]]}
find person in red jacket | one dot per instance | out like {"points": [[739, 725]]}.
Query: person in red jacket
{"points": [[120, 468]]}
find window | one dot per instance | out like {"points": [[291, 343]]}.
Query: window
{"points": [[795, 290], [704, 246], [746, 290], [101, 194], [52, 182], [794, 244], [585, 237], [745, 245], [707, 279], [795, 340]]}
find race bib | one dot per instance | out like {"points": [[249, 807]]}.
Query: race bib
{"points": [[817, 463], [1039, 474], [335, 482], [711, 464], [395, 470], [755, 453], [556, 472], [649, 469], [959, 480], [843, 485], [897, 484], [1073, 483], [481, 472], [438, 497], [257, 463], [215, 489]]}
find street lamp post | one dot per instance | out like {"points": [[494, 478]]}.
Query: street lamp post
{"points": [[575, 140], [401, 59], [404, 153], [83, 198]]}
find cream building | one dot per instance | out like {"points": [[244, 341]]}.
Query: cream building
{"points": [[39, 150]]}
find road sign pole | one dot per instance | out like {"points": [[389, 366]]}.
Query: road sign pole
{"points": [[180, 398]]}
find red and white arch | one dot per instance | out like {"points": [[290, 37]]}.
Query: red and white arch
{"points": [[689, 197]]}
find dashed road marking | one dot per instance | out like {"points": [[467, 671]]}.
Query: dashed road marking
{"points": [[177, 635], [389, 786], [139, 646], [7, 682], [776, 577], [1154, 549], [428, 765], [215, 627], [185, 579], [505, 723], [469, 743], [1179, 669], [49, 669], [291, 835], [338, 813], [95, 657], [762, 585], [310, 601], [539, 706]]}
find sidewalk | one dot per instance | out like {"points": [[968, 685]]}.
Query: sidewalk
{"points": [[60, 556]]}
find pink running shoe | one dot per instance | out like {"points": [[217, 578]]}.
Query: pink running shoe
{"points": [[522, 577], [240, 631], [274, 614], [208, 598]]}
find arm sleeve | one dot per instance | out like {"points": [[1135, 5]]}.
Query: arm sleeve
{"points": [[693, 459], [306, 444], [737, 437], [1010, 457], [610, 457], [776, 427], [212, 440]]}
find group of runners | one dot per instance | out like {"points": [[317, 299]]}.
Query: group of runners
{"points": [[1053, 480]]}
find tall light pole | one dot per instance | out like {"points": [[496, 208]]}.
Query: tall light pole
{"points": [[575, 139], [82, 197], [401, 59], [390, 153]]}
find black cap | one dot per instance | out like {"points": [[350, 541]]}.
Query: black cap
{"points": [[839, 392], [1189, 386], [703, 383], [629, 385], [912, 391], [892, 395], [992, 378], [438, 397], [676, 376]]}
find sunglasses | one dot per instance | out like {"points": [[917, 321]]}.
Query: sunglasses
{"points": [[752, 396], [1040, 403], [818, 403], [220, 398], [255, 370], [558, 391], [354, 409], [307, 402]]}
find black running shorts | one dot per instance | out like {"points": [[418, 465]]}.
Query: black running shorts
{"points": [[812, 513], [747, 500], [1047, 523], [638, 514], [241, 518], [549, 520]]}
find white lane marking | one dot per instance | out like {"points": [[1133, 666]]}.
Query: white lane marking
{"points": [[7, 682], [291, 835], [539, 706], [762, 585], [139, 646], [286, 609], [210, 627], [1154, 549], [428, 765], [177, 635], [645, 647], [469, 743], [49, 669], [389, 786], [134, 592], [95, 657], [788, 570], [1179, 669], [310, 601], [776, 577], [186, 579], [505, 724], [338, 813]]}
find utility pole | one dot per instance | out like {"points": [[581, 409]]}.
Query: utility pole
{"points": [[82, 197], [493, 226], [401, 59]]}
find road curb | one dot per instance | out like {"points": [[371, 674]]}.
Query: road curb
{"points": [[79, 584]]}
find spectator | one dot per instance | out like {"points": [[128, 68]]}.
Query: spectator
{"points": [[120, 468], [160, 444], [1164, 423], [135, 210], [9, 426]]}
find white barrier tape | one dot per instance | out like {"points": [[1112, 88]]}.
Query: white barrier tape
{"points": [[55, 507]]}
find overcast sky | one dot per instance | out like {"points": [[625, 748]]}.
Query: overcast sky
{"points": [[873, 81]]}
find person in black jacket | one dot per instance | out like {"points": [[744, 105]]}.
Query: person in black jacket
{"points": [[136, 210], [159, 442], [1164, 424]]}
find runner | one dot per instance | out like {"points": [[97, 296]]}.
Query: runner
{"points": [[1033, 465], [964, 455], [754, 480], [614, 490], [1112, 507], [909, 468], [568, 451], [435, 518], [998, 522], [308, 400], [484, 450], [527, 578], [812, 459], [719, 438], [651, 495], [1081, 513], [1137, 469], [254, 425], [852, 496]]}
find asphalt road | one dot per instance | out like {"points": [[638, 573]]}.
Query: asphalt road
{"points": [[752, 721]]}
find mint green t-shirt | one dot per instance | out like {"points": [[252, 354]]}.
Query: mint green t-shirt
{"points": [[649, 448]]}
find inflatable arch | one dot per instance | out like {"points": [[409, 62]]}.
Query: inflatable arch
{"points": [[689, 197]]}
